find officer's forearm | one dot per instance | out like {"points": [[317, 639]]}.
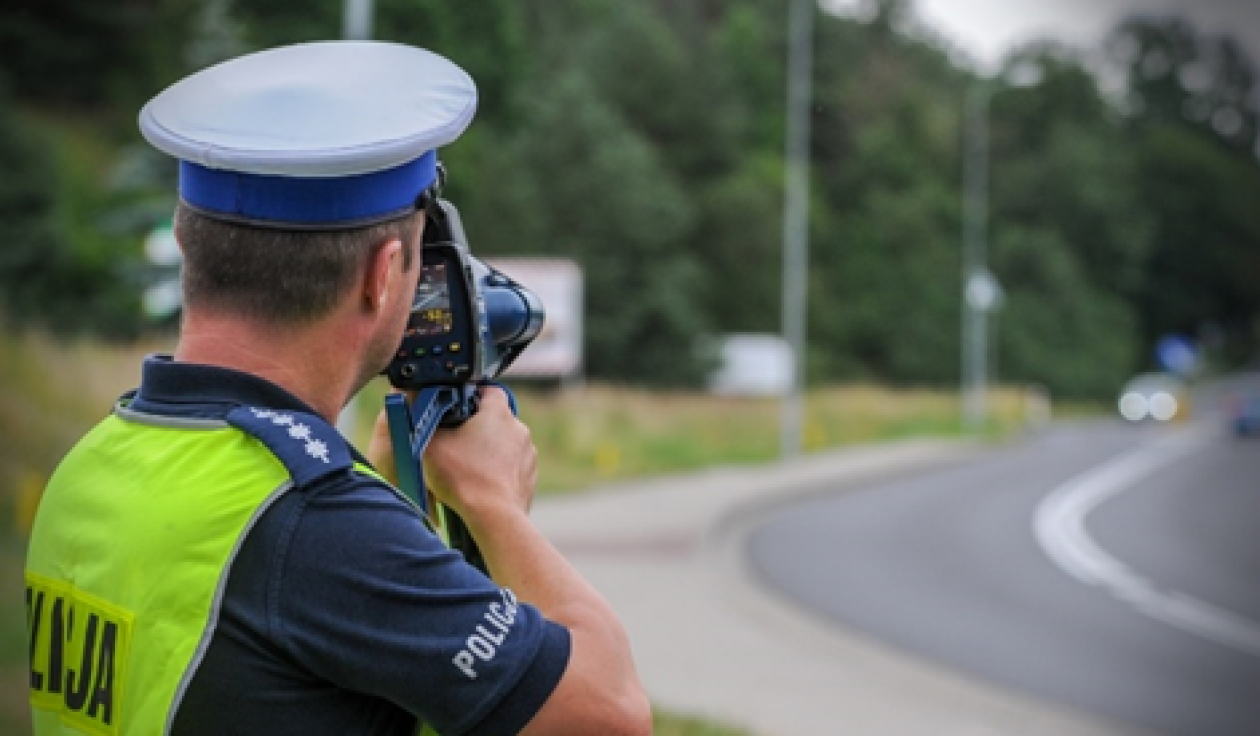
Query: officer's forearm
{"points": [[600, 691]]}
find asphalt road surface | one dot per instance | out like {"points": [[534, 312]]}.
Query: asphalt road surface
{"points": [[1107, 567]]}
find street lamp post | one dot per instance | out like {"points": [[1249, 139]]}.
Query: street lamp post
{"points": [[796, 215], [356, 26], [979, 289], [981, 292], [357, 20]]}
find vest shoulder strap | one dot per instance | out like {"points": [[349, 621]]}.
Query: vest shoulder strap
{"points": [[307, 445]]}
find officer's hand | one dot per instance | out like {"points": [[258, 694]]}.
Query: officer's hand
{"points": [[487, 466]]}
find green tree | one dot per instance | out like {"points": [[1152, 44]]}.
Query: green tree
{"points": [[108, 56], [486, 38], [1194, 118], [586, 186], [884, 288], [49, 276], [1070, 232], [1203, 278], [27, 200], [1058, 329], [668, 75], [1177, 75]]}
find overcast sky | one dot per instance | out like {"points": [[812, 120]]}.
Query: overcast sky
{"points": [[987, 29]]}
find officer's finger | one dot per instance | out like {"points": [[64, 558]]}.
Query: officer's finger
{"points": [[493, 394]]}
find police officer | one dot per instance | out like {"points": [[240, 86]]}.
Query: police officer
{"points": [[214, 558]]}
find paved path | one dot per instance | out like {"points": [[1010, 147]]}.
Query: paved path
{"points": [[710, 641]]}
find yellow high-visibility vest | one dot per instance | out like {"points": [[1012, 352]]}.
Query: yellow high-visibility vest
{"points": [[129, 553]]}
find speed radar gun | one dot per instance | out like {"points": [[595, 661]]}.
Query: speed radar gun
{"points": [[468, 323]]}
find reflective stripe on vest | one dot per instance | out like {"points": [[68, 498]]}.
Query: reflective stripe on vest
{"points": [[129, 552]]}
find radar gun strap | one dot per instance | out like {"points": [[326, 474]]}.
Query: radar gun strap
{"points": [[410, 429]]}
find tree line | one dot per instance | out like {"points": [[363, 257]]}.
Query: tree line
{"points": [[645, 140]]}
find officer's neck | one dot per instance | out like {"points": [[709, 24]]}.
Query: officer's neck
{"points": [[305, 360]]}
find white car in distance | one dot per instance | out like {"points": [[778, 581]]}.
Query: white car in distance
{"points": [[1159, 397]]}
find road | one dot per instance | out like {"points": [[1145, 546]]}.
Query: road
{"points": [[1109, 568]]}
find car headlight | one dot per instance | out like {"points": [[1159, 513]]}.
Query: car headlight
{"points": [[1133, 406], [1163, 406]]}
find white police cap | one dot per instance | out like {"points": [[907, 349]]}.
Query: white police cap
{"points": [[317, 135]]}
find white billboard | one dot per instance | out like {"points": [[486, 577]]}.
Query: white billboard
{"points": [[557, 351]]}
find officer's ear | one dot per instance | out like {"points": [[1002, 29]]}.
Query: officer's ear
{"points": [[385, 266]]}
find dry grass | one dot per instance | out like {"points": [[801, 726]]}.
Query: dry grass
{"points": [[600, 433], [51, 392]]}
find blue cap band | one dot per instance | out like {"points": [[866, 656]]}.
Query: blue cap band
{"points": [[299, 202]]}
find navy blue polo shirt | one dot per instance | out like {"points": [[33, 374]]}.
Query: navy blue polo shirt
{"points": [[344, 614]]}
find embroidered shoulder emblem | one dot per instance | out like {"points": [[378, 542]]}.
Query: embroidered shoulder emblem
{"points": [[298, 431], [307, 445]]}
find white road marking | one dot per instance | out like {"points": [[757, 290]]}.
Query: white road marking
{"points": [[1059, 524]]}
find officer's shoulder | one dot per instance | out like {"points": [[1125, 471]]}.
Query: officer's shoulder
{"points": [[307, 445]]}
